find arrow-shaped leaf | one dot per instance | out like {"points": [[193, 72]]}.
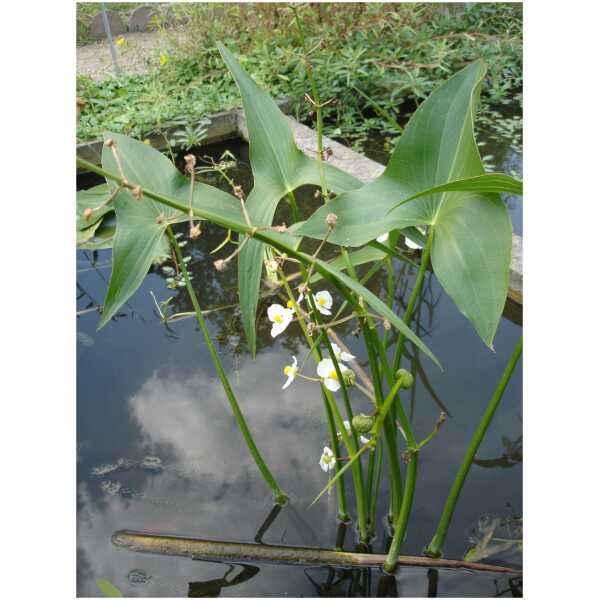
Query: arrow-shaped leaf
{"points": [[278, 167], [472, 228], [141, 224]]}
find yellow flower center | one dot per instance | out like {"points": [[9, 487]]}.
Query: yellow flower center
{"points": [[321, 301], [288, 370], [327, 458], [333, 375], [278, 319], [290, 304]]}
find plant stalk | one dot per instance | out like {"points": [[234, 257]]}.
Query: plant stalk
{"points": [[280, 497], [414, 296], [434, 549]]}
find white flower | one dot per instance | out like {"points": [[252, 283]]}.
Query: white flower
{"points": [[383, 238], [323, 302], [326, 370], [280, 317], [290, 371], [413, 245], [340, 354], [363, 440], [410, 244], [347, 427], [327, 461]]}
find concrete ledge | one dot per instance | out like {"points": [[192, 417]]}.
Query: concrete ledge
{"points": [[223, 126]]}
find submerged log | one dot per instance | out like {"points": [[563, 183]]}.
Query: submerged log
{"points": [[218, 551]]}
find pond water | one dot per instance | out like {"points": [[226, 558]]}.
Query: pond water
{"points": [[158, 448]]}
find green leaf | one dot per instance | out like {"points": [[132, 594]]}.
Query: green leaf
{"points": [[206, 208], [490, 182], [278, 167], [472, 229], [107, 589], [103, 237], [92, 198], [141, 224]]}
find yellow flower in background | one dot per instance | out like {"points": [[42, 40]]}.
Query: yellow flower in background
{"points": [[120, 41], [147, 141], [164, 59]]}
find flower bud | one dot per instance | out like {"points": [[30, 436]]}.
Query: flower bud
{"points": [[87, 213], [195, 231], [220, 264], [406, 378], [190, 162], [349, 377], [272, 265], [109, 143], [363, 423], [136, 192], [238, 192], [331, 220], [387, 325]]}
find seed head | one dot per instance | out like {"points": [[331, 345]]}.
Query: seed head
{"points": [[406, 378]]}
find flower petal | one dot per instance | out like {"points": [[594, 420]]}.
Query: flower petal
{"points": [[326, 296], [383, 238], [325, 367], [278, 328], [410, 244], [332, 384], [274, 310]]}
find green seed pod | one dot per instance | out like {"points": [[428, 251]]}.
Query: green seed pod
{"points": [[406, 378], [363, 423]]}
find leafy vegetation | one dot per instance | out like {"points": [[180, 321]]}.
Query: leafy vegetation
{"points": [[375, 61]]}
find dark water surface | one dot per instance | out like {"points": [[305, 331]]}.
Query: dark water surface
{"points": [[158, 448]]}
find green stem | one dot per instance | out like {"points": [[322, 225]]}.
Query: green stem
{"points": [[413, 297], [318, 107], [280, 497], [294, 206], [316, 352], [436, 545], [402, 521], [374, 491]]}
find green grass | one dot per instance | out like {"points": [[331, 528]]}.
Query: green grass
{"points": [[394, 53]]}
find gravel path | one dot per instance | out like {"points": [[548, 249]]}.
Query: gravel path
{"points": [[139, 54]]}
